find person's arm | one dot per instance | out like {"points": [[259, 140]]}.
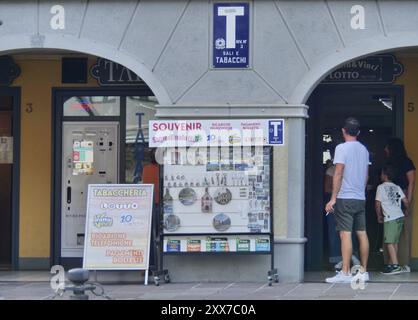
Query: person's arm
{"points": [[378, 208], [406, 204], [328, 184], [336, 186], [410, 175]]}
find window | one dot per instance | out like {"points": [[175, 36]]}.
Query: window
{"points": [[92, 106], [137, 154]]}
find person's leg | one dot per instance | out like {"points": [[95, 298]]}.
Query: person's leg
{"points": [[360, 228], [404, 252], [346, 250], [355, 244], [393, 259], [333, 240], [344, 220], [364, 248]]}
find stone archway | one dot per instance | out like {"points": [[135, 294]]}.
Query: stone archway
{"points": [[26, 43], [333, 61]]}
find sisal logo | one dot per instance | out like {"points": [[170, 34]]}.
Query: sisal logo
{"points": [[101, 220]]}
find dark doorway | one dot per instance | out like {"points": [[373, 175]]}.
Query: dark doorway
{"points": [[379, 110], [9, 166]]}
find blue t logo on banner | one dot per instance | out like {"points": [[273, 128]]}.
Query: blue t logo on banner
{"points": [[230, 35], [276, 132]]}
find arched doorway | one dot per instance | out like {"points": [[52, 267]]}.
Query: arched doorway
{"points": [[384, 110], [43, 92]]}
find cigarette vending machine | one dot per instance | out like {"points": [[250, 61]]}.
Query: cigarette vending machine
{"points": [[89, 156]]}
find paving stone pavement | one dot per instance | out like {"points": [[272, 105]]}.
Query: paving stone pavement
{"points": [[36, 286], [222, 291]]}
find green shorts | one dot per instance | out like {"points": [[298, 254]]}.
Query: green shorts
{"points": [[350, 215], [392, 230]]}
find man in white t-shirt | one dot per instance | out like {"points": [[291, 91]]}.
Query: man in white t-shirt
{"points": [[348, 200], [389, 199]]}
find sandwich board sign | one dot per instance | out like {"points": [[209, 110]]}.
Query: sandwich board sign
{"points": [[118, 227]]}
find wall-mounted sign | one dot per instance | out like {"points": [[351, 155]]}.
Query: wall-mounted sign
{"points": [[109, 73], [223, 132], [374, 69], [118, 227], [231, 35], [6, 150], [9, 70]]}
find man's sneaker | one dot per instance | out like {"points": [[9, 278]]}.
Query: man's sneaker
{"points": [[355, 261], [339, 266], [387, 268], [365, 276], [405, 269], [396, 269], [340, 277]]}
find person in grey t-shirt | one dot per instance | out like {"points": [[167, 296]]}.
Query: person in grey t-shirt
{"points": [[348, 200]]}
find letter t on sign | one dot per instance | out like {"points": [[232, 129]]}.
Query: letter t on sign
{"points": [[230, 13]]}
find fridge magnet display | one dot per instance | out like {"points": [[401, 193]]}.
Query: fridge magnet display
{"points": [[171, 222], [223, 196], [187, 196], [221, 222]]}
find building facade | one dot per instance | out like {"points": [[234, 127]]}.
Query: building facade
{"points": [[292, 47]]}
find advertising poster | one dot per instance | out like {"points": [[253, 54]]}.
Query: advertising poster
{"points": [[221, 132], [118, 227]]}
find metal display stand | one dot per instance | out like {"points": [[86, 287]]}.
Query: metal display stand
{"points": [[161, 273], [157, 269]]}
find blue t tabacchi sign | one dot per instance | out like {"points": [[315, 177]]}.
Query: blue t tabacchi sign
{"points": [[276, 132], [231, 35]]}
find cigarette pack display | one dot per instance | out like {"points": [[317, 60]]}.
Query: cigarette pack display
{"points": [[173, 246]]}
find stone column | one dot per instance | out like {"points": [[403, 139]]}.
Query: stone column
{"points": [[289, 247]]}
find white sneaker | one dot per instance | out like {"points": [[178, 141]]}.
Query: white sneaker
{"points": [[365, 276], [406, 269], [355, 260], [339, 266], [340, 277]]}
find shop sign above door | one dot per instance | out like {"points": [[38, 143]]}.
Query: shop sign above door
{"points": [[382, 69], [9, 70], [109, 73], [231, 35]]}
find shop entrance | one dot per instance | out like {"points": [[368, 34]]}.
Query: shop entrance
{"points": [[95, 142], [9, 167], [379, 110]]}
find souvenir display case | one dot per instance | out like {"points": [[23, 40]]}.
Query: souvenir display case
{"points": [[217, 201]]}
